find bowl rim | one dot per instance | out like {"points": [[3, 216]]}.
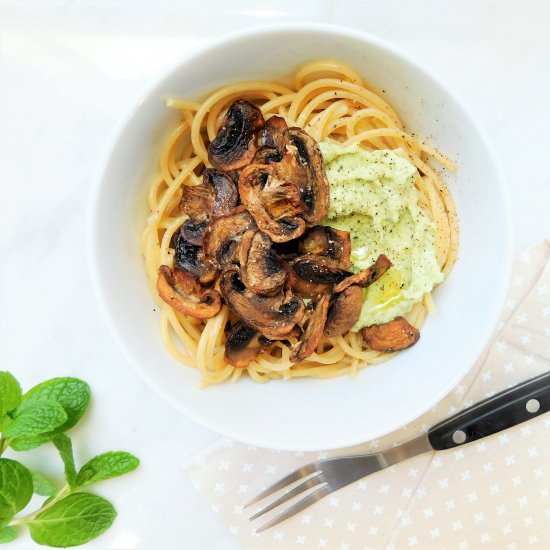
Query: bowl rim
{"points": [[93, 220]]}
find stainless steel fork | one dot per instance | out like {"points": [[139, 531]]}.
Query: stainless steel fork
{"points": [[322, 477]]}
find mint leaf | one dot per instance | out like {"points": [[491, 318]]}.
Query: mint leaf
{"points": [[42, 485], [15, 489], [7, 534], [36, 419], [65, 447], [72, 521], [10, 393], [26, 443], [72, 394], [106, 466]]}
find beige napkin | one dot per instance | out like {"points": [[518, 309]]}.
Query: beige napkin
{"points": [[490, 494]]}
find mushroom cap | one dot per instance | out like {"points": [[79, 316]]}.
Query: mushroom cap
{"points": [[193, 232], [344, 311], [315, 187], [196, 201], [183, 292], [216, 196], [223, 235], [261, 270], [234, 145], [393, 336], [191, 258], [274, 315], [265, 155], [244, 344], [273, 134], [272, 202], [323, 240], [319, 269], [367, 276]]}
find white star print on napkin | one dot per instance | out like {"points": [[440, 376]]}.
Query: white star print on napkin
{"points": [[493, 494]]}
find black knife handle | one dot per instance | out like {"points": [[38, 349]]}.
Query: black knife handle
{"points": [[498, 412]]}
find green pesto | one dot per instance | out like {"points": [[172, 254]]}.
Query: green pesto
{"points": [[372, 195]]}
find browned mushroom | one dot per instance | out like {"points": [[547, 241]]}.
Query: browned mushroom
{"points": [[282, 199], [314, 330], [265, 155], [216, 196], [319, 269], [327, 241], [273, 141], [290, 274], [316, 275], [309, 290], [183, 292], [273, 135], [191, 258], [196, 200], [393, 336], [287, 250], [303, 165], [367, 276], [223, 235], [234, 145], [193, 232], [272, 202], [273, 315], [344, 311], [296, 332], [244, 344], [261, 271]]}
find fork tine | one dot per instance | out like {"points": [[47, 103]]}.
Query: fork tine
{"points": [[308, 484], [301, 472], [308, 500]]}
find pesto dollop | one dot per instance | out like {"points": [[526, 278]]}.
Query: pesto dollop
{"points": [[372, 195]]}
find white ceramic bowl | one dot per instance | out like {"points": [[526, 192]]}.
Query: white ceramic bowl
{"points": [[306, 414]]}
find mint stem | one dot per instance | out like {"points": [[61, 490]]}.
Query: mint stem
{"points": [[63, 492], [3, 445]]}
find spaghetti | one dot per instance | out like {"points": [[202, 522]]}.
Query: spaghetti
{"points": [[331, 102]]}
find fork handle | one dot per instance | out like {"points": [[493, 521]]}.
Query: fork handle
{"points": [[498, 412]]}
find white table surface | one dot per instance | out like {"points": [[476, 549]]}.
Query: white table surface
{"points": [[69, 69]]}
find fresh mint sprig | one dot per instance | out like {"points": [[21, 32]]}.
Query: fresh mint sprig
{"points": [[69, 516]]}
